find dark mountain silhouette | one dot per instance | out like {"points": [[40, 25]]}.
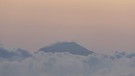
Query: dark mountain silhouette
{"points": [[69, 47]]}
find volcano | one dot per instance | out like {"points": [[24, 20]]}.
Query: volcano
{"points": [[69, 47]]}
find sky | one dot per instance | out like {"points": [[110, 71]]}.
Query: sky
{"points": [[99, 25]]}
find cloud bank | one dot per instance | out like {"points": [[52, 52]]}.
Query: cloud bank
{"points": [[66, 64]]}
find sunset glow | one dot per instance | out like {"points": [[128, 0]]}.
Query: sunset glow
{"points": [[100, 25]]}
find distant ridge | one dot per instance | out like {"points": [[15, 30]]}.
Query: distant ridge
{"points": [[69, 47]]}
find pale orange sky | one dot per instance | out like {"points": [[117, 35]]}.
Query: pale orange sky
{"points": [[100, 25]]}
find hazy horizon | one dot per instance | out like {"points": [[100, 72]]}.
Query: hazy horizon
{"points": [[102, 26]]}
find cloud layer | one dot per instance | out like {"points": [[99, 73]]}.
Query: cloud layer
{"points": [[65, 64]]}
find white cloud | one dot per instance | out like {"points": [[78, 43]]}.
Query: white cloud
{"points": [[19, 62], [64, 64]]}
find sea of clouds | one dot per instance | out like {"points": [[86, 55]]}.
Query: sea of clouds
{"points": [[65, 64]]}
